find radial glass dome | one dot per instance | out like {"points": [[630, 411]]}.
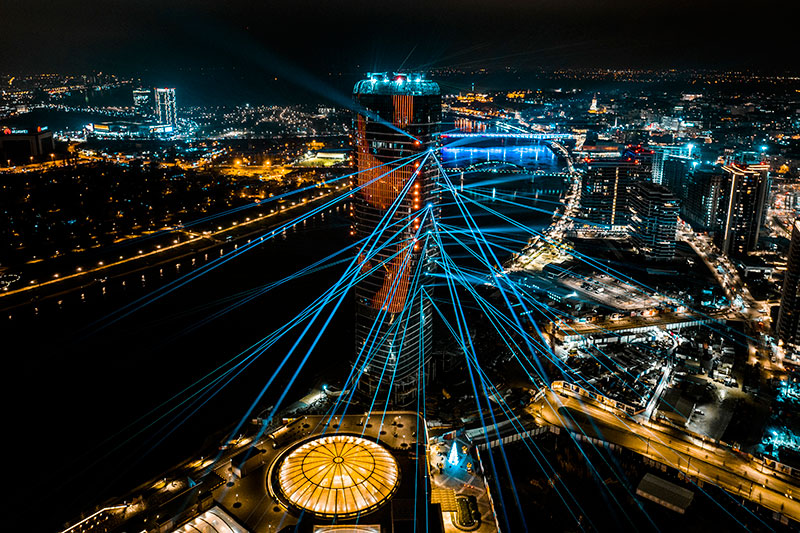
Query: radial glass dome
{"points": [[337, 476]]}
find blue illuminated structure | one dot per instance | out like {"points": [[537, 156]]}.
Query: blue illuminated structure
{"points": [[508, 135], [453, 457], [396, 83]]}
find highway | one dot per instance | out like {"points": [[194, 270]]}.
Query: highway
{"points": [[739, 474]]}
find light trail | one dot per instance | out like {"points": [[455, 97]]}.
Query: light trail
{"points": [[528, 349], [170, 287], [379, 230], [479, 369], [193, 240]]}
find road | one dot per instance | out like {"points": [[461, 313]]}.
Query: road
{"points": [[754, 313], [546, 249], [662, 384], [168, 252], [728, 278], [739, 474]]}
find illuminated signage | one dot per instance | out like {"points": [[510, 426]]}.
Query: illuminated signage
{"points": [[21, 131]]}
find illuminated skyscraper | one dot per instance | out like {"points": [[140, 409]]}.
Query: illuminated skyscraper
{"points": [[676, 169], [662, 153], [642, 159], [742, 207], [400, 117], [142, 101], [701, 190], [609, 184], [605, 190], [787, 328], [166, 112], [654, 220]]}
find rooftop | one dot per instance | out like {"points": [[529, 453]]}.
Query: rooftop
{"points": [[338, 476], [388, 83]]}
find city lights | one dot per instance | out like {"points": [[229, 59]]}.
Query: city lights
{"points": [[248, 286]]}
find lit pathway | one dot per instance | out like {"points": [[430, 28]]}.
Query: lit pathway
{"points": [[185, 245]]}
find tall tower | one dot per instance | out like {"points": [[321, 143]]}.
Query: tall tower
{"points": [[399, 117], [701, 196], [742, 207], [166, 112], [604, 200], [787, 327], [609, 184], [662, 153], [142, 101], [654, 220]]}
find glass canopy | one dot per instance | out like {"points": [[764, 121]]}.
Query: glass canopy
{"points": [[338, 476]]}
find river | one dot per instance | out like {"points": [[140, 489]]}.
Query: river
{"points": [[73, 389]]}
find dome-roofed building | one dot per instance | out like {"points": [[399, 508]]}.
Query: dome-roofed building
{"points": [[337, 476]]}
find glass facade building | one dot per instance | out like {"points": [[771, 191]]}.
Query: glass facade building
{"points": [[787, 327], [663, 153], [604, 198], [398, 117], [742, 207], [654, 221]]}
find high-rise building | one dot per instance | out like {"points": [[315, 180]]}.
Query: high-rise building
{"points": [[787, 328], [654, 220], [701, 195], [662, 153], [143, 101], [741, 208], [606, 187], [675, 172], [166, 112], [642, 158], [400, 116]]}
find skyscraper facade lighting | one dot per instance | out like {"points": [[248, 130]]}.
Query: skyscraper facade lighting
{"points": [[399, 117], [742, 207], [662, 153], [142, 101], [166, 112], [700, 202], [654, 220], [604, 199], [787, 327]]}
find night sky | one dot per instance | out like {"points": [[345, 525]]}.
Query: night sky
{"points": [[131, 36]]}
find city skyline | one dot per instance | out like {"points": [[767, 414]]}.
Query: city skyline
{"points": [[436, 267]]}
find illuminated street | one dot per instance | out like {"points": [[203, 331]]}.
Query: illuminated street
{"points": [[703, 461], [391, 268]]}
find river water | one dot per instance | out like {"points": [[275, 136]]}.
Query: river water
{"points": [[72, 389]]}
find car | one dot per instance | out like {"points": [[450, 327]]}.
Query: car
{"points": [[698, 412]]}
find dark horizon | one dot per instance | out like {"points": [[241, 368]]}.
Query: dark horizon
{"points": [[545, 274], [65, 36]]}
